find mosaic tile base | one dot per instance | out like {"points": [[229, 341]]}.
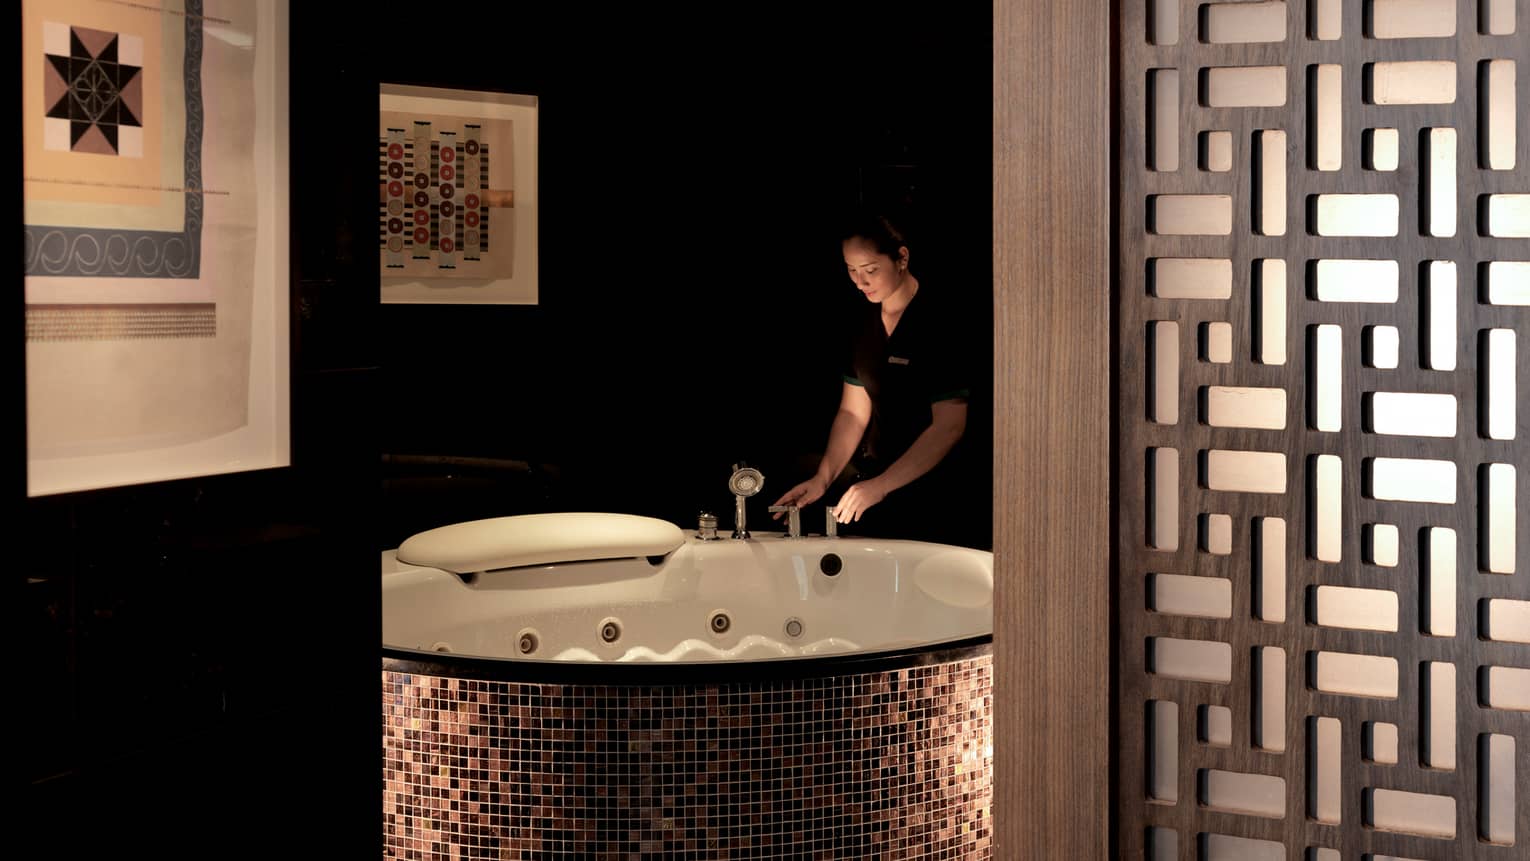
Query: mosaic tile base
{"points": [[894, 764]]}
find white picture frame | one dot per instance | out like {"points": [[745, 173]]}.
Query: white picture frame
{"points": [[433, 248], [158, 280]]}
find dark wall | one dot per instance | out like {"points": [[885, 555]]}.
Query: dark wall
{"points": [[693, 299], [201, 655]]}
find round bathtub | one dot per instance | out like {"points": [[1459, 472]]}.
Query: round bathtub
{"points": [[685, 698]]}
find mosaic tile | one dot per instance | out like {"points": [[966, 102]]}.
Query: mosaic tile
{"points": [[891, 764]]}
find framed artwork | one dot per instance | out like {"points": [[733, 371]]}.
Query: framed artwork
{"points": [[457, 196], [156, 253]]}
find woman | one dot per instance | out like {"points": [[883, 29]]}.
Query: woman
{"points": [[903, 402]]}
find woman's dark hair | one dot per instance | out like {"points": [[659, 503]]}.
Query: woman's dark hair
{"points": [[878, 229]]}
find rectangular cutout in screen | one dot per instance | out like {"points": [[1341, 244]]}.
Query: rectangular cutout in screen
{"points": [[1378, 149], [1497, 517], [1505, 688], [1496, 788], [1325, 378], [1412, 19], [1411, 812], [1381, 544], [1355, 214], [1354, 607], [1269, 699], [1355, 280], [1437, 603], [1190, 660], [1437, 735], [1440, 315], [1245, 407], [1379, 742], [1497, 17], [1326, 22], [1411, 82], [1507, 282], [1410, 414], [1497, 118], [1245, 471], [1243, 86], [1506, 620], [1163, 751], [1439, 182], [1190, 277], [1270, 569], [1499, 390], [1163, 371], [1222, 847], [1163, 498], [1216, 340], [1269, 194], [1355, 675], [1379, 346], [1230, 23], [1240, 792], [1324, 770], [1327, 488], [1215, 148], [1163, 22], [1270, 311], [1214, 725], [1406, 479], [1508, 216], [1186, 595], [1325, 116], [1163, 118], [1190, 214]]}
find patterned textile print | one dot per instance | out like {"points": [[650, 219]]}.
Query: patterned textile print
{"points": [[93, 90], [120, 322], [893, 765], [471, 183], [101, 119]]}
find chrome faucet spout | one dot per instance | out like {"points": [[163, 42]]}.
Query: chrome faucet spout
{"points": [[793, 519]]}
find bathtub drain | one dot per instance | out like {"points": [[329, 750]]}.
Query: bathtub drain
{"points": [[794, 627]]}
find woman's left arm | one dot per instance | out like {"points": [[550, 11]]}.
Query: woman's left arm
{"points": [[948, 421]]}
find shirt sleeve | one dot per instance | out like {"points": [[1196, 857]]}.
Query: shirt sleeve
{"points": [[852, 353]]}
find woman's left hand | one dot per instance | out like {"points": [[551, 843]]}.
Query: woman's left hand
{"points": [[861, 496]]}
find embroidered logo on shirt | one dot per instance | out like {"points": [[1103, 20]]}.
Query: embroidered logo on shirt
{"points": [[896, 360]]}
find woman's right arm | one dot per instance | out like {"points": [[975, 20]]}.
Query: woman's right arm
{"points": [[846, 432], [844, 435]]}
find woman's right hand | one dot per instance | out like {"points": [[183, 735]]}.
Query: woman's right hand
{"points": [[802, 495]]}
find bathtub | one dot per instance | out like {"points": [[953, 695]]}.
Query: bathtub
{"points": [[606, 686]]}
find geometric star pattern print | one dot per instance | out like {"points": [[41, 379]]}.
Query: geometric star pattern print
{"points": [[93, 91]]}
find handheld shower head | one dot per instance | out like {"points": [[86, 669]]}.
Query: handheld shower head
{"points": [[746, 481]]}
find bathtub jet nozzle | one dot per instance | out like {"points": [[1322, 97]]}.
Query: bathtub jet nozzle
{"points": [[746, 482]]}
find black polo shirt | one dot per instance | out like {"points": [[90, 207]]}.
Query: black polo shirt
{"points": [[922, 362]]}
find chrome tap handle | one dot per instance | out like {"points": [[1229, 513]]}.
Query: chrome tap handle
{"points": [[793, 519], [830, 525]]}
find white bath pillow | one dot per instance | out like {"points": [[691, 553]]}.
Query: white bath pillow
{"points": [[539, 539]]}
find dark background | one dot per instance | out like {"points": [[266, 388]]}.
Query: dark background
{"points": [[200, 656]]}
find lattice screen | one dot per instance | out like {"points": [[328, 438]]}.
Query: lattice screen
{"points": [[1324, 323]]}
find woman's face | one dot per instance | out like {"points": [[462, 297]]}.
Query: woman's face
{"points": [[875, 274]]}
